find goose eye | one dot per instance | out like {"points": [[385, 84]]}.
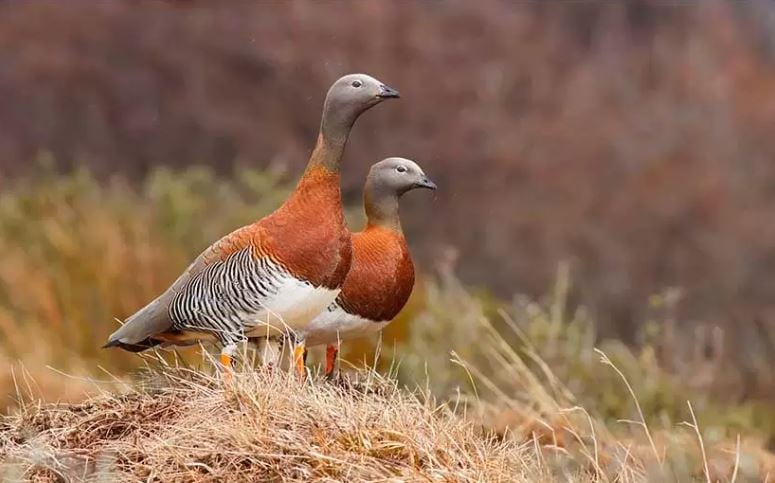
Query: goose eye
{"points": [[357, 83], [401, 169]]}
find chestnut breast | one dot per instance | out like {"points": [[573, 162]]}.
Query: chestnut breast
{"points": [[308, 234], [381, 276]]}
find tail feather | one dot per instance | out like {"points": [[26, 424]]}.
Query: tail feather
{"points": [[137, 333], [138, 347]]}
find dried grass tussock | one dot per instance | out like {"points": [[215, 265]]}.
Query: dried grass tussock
{"points": [[186, 426]]}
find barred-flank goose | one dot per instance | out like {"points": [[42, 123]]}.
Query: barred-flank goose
{"points": [[381, 275], [275, 275]]}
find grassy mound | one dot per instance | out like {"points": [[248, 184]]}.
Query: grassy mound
{"points": [[264, 427], [184, 425]]}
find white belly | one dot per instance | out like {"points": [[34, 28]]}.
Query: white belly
{"points": [[293, 308], [331, 326]]}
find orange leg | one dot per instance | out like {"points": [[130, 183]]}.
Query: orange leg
{"points": [[227, 361], [331, 352], [299, 353]]}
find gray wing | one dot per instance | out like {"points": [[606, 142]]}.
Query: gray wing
{"points": [[154, 318]]}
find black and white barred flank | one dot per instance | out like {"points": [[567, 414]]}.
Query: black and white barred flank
{"points": [[229, 296]]}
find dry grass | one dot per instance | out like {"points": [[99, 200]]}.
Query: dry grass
{"points": [[181, 424], [185, 426]]}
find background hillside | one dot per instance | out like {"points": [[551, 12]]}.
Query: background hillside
{"points": [[629, 138]]}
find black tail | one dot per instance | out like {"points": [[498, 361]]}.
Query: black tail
{"points": [[139, 347]]}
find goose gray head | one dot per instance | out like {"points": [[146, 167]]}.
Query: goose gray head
{"points": [[349, 97], [387, 181], [398, 175]]}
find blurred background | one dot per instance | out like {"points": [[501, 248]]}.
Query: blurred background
{"points": [[606, 173]]}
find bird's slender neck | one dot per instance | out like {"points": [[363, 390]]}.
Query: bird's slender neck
{"points": [[321, 178], [326, 155], [335, 127], [381, 205], [319, 186]]}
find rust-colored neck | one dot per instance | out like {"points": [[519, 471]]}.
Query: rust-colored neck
{"points": [[327, 154], [318, 195], [319, 190]]}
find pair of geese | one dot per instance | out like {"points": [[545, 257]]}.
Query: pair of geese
{"points": [[298, 274]]}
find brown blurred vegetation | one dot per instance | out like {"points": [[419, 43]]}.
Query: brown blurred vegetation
{"points": [[629, 139]]}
